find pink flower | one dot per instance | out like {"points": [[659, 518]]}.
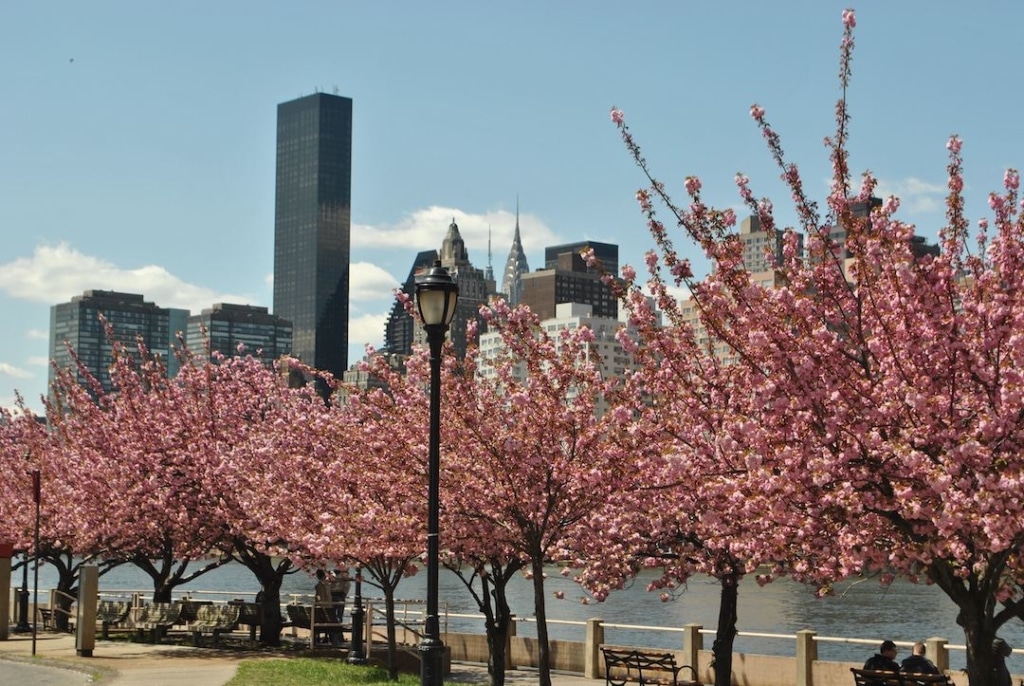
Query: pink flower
{"points": [[628, 273], [849, 18], [757, 112], [617, 117], [954, 144], [1011, 180]]}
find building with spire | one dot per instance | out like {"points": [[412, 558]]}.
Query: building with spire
{"points": [[515, 267], [474, 287]]}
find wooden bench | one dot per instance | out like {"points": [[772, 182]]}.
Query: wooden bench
{"points": [[870, 677], [622, 665], [190, 610], [317, 619], [249, 614], [156, 618], [110, 613], [215, 620]]}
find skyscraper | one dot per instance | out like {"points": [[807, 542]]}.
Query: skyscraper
{"points": [[226, 326], [400, 329], [130, 317], [515, 267], [567, 278], [312, 225]]}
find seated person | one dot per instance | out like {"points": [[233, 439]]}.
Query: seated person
{"points": [[885, 659], [917, 663]]}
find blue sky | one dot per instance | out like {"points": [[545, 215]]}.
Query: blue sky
{"points": [[138, 138]]}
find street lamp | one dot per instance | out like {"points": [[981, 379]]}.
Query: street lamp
{"points": [[436, 296]]}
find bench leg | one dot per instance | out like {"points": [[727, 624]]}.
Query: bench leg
{"points": [[196, 639]]}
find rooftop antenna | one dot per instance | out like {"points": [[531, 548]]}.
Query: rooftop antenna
{"points": [[335, 89]]}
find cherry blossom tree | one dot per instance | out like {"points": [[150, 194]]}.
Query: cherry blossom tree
{"points": [[136, 462], [534, 457], [878, 394]]}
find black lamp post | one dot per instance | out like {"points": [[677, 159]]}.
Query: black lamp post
{"points": [[436, 296], [23, 626], [355, 651]]}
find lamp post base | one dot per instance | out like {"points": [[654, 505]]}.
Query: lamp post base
{"points": [[431, 662], [23, 626]]}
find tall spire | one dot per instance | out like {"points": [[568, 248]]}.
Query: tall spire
{"points": [[515, 266], [489, 272]]}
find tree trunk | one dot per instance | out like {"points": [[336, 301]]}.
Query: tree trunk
{"points": [[270, 578], [726, 633], [543, 643], [389, 607]]}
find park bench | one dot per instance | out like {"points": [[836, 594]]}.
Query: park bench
{"points": [[622, 665], [317, 619], [870, 677], [249, 614], [110, 613], [190, 610], [215, 620], [156, 618]]}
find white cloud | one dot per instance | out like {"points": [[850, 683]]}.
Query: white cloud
{"points": [[916, 196], [38, 361], [366, 329], [15, 372], [37, 335], [56, 273], [369, 282], [425, 229]]}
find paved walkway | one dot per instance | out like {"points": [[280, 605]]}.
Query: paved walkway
{"points": [[123, 663]]}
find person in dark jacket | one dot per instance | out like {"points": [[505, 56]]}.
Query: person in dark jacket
{"points": [[917, 663], [1000, 674], [885, 659]]}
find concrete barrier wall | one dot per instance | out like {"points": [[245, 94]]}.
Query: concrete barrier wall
{"points": [[748, 670]]}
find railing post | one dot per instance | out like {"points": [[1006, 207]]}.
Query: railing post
{"points": [[592, 648], [937, 652], [693, 643], [806, 654], [509, 662]]}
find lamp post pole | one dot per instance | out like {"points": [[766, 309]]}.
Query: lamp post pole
{"points": [[436, 297], [23, 625], [355, 653]]}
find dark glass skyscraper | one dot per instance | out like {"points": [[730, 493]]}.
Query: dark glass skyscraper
{"points": [[312, 224]]}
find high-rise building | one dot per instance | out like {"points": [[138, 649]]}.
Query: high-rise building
{"points": [[474, 287], [130, 317], [400, 329], [515, 267], [606, 253], [227, 327], [567, 278], [604, 351], [312, 225]]}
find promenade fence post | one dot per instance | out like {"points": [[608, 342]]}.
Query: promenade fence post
{"points": [[693, 643], [510, 663], [5, 597], [806, 654], [85, 618], [592, 648], [937, 652]]}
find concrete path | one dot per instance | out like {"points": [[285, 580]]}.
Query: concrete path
{"points": [[122, 663]]}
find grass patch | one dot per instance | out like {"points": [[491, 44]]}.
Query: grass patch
{"points": [[307, 671]]}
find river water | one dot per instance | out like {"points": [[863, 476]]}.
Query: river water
{"points": [[866, 610]]}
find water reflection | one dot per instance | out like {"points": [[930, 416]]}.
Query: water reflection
{"points": [[901, 612]]}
